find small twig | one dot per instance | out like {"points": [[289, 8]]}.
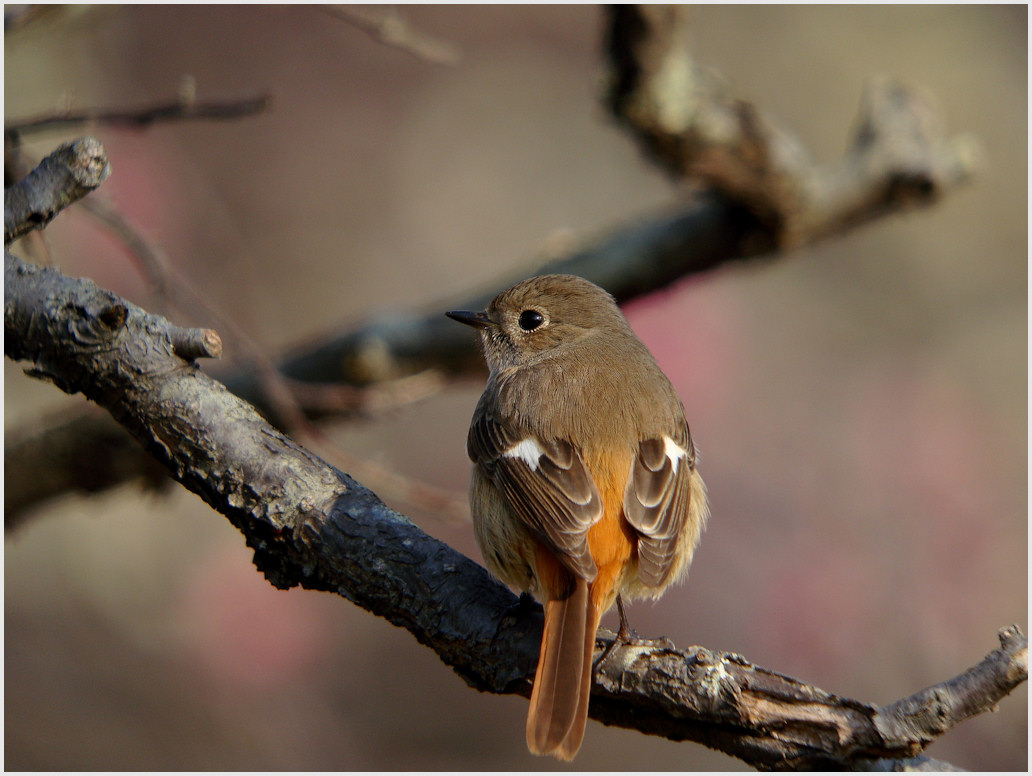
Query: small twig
{"points": [[65, 176], [191, 344], [149, 256], [926, 715], [181, 109], [388, 26]]}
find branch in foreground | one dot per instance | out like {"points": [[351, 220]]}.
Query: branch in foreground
{"points": [[66, 175], [314, 526]]}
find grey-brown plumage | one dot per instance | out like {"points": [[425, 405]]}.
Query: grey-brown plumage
{"points": [[584, 485]]}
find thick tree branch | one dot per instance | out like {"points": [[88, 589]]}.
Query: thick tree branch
{"points": [[314, 526]]}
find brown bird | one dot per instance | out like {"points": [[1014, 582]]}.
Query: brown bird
{"points": [[584, 485]]}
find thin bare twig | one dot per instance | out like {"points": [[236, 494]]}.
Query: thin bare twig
{"points": [[184, 108], [387, 25]]}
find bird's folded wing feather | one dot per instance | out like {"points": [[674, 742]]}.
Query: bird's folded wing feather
{"points": [[546, 485], [657, 498]]}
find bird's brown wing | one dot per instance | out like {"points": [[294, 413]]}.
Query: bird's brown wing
{"points": [[546, 485], [657, 498]]}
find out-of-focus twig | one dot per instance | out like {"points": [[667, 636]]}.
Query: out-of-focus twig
{"points": [[334, 399], [390, 27], [17, 17], [183, 108]]}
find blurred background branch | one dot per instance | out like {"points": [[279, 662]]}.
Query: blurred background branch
{"points": [[184, 108], [387, 25], [690, 124], [744, 168]]}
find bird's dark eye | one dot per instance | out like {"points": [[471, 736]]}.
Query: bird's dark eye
{"points": [[531, 319]]}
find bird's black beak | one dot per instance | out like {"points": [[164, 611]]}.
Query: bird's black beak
{"points": [[476, 320]]}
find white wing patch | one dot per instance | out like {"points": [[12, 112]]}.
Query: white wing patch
{"points": [[673, 451], [529, 451]]}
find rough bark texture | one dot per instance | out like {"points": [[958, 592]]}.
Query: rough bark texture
{"points": [[68, 174], [312, 525]]}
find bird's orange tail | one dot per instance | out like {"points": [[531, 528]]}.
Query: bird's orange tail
{"points": [[559, 701]]}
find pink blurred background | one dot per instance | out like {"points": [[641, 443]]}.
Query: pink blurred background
{"points": [[860, 406]]}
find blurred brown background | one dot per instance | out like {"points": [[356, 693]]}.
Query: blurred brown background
{"points": [[860, 406]]}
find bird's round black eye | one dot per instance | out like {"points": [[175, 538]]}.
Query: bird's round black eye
{"points": [[531, 319]]}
